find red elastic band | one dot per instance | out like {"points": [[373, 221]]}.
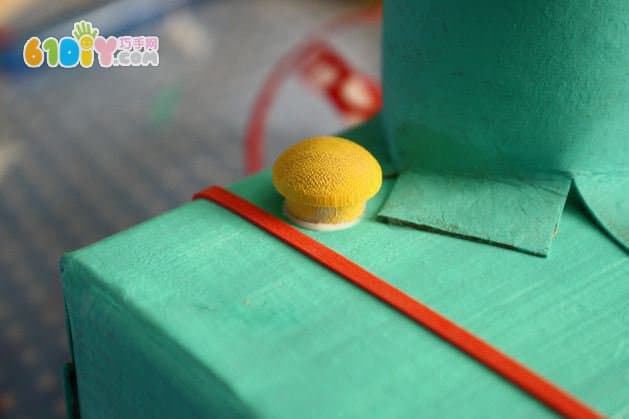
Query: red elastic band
{"points": [[534, 384]]}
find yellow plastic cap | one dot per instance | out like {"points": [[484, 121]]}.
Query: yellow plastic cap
{"points": [[327, 172]]}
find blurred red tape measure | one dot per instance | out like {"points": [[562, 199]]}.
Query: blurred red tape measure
{"points": [[354, 95]]}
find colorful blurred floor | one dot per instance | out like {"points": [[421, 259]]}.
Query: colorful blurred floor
{"points": [[86, 153]]}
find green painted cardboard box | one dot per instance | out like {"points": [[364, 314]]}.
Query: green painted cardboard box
{"points": [[200, 314]]}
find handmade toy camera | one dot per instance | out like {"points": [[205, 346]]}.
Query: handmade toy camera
{"points": [[435, 302]]}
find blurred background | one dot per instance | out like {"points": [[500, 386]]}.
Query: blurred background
{"points": [[85, 153]]}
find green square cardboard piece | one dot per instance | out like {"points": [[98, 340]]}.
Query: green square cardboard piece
{"points": [[198, 313], [524, 212]]}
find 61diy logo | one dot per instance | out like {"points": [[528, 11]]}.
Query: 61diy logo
{"points": [[69, 52]]}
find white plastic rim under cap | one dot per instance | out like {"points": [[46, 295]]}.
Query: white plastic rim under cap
{"points": [[319, 226]]}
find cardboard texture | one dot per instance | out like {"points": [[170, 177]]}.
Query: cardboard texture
{"points": [[524, 212], [507, 89], [607, 197], [198, 313]]}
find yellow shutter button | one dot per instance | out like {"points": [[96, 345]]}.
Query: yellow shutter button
{"points": [[326, 182]]}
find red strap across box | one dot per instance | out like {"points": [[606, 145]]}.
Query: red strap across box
{"points": [[510, 369]]}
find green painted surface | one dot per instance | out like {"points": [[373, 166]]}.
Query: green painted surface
{"points": [[489, 85], [502, 87], [608, 199], [197, 313]]}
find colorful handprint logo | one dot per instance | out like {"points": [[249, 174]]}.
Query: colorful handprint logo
{"points": [[69, 52], [85, 34]]}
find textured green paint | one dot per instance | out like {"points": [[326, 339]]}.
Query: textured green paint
{"points": [[607, 197], [512, 85], [497, 86], [197, 313], [128, 366], [524, 212]]}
